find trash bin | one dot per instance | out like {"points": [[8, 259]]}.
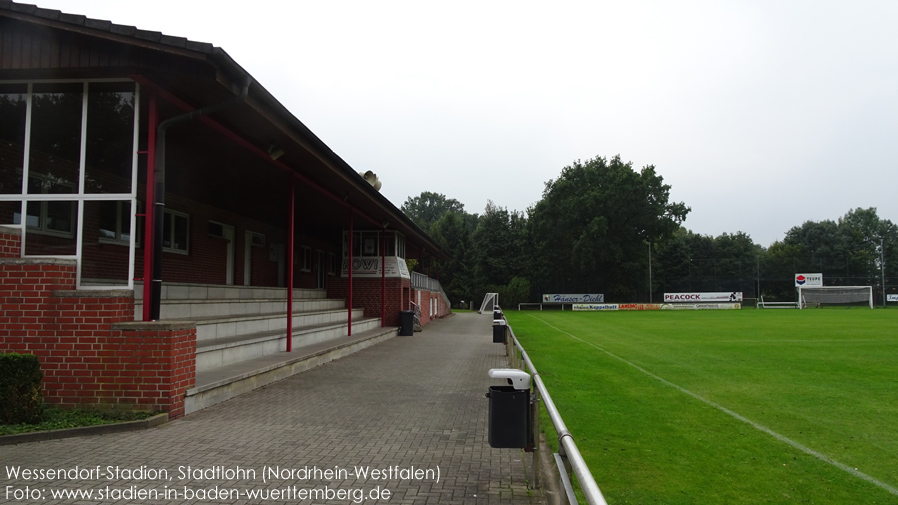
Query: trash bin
{"points": [[406, 323], [497, 313], [509, 410], [499, 331]]}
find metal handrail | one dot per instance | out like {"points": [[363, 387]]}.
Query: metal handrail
{"points": [[565, 439]]}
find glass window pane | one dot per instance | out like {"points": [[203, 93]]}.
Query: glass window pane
{"points": [[107, 218], [104, 262], [391, 243], [13, 106], [53, 230], [60, 217], [10, 212], [56, 132], [34, 215], [124, 225], [110, 138], [181, 231], [166, 230]]}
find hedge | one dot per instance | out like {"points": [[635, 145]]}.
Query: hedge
{"points": [[21, 400]]}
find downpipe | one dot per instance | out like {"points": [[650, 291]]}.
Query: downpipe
{"points": [[159, 188]]}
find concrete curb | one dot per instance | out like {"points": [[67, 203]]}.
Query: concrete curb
{"points": [[100, 429]]}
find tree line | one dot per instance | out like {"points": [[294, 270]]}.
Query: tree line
{"points": [[603, 227]]}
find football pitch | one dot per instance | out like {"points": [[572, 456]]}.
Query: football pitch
{"points": [[726, 407]]}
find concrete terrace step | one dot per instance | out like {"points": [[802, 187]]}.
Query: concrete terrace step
{"points": [[189, 309], [208, 328], [177, 291], [223, 383], [223, 351]]}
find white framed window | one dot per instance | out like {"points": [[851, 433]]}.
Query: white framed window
{"points": [[115, 222], [256, 239], [175, 232], [332, 264], [56, 218], [306, 258]]}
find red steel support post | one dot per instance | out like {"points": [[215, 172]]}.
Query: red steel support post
{"points": [[290, 238], [349, 268], [148, 236], [383, 278]]}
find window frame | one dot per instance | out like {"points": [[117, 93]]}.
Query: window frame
{"points": [[121, 226], [43, 217], [173, 229]]}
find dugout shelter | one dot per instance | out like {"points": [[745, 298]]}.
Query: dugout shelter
{"points": [[160, 210]]}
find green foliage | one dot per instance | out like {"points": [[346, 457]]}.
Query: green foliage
{"points": [[55, 418], [20, 388], [498, 242], [592, 227], [691, 262], [427, 208], [451, 231]]}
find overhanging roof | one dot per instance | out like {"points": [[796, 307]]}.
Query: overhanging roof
{"points": [[196, 74]]}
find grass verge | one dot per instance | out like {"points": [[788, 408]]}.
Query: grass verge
{"points": [[55, 418]]}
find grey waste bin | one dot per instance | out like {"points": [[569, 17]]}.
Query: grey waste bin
{"points": [[406, 323], [509, 411], [499, 331]]}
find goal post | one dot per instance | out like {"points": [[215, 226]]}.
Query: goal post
{"points": [[834, 295], [490, 301]]}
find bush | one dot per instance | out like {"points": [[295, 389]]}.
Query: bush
{"points": [[21, 400]]}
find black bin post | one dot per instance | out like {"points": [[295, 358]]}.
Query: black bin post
{"points": [[406, 323], [500, 331], [509, 411]]}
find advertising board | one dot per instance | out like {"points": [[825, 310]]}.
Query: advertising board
{"points": [[594, 306], [723, 296], [806, 280], [370, 267], [701, 306], [578, 298]]}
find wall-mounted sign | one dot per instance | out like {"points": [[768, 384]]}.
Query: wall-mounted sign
{"points": [[805, 280], [370, 267], [593, 298], [723, 296]]}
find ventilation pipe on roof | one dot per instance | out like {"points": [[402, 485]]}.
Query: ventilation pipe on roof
{"points": [[159, 196]]}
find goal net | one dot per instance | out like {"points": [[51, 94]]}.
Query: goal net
{"points": [[490, 301], [817, 296]]}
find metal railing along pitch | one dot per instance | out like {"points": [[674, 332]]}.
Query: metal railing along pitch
{"points": [[567, 449]]}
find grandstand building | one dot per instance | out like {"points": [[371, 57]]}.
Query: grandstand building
{"points": [[160, 210]]}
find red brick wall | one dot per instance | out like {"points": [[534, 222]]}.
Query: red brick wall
{"points": [[440, 307], [91, 351], [10, 242], [366, 293]]}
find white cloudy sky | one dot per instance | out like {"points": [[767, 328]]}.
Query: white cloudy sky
{"points": [[761, 114]]}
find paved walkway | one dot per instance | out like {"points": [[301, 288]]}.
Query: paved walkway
{"points": [[410, 412]]}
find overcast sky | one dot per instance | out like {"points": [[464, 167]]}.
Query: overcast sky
{"points": [[760, 114]]}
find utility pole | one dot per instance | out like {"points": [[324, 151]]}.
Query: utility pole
{"points": [[882, 269]]}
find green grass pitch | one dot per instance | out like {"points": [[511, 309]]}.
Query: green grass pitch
{"points": [[726, 407]]}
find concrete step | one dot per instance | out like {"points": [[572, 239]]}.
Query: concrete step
{"points": [[181, 291], [225, 350], [210, 328], [225, 382], [189, 309]]}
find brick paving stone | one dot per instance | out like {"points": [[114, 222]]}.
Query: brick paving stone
{"points": [[409, 402]]}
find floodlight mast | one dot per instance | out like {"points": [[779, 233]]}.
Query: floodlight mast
{"points": [[882, 269]]}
